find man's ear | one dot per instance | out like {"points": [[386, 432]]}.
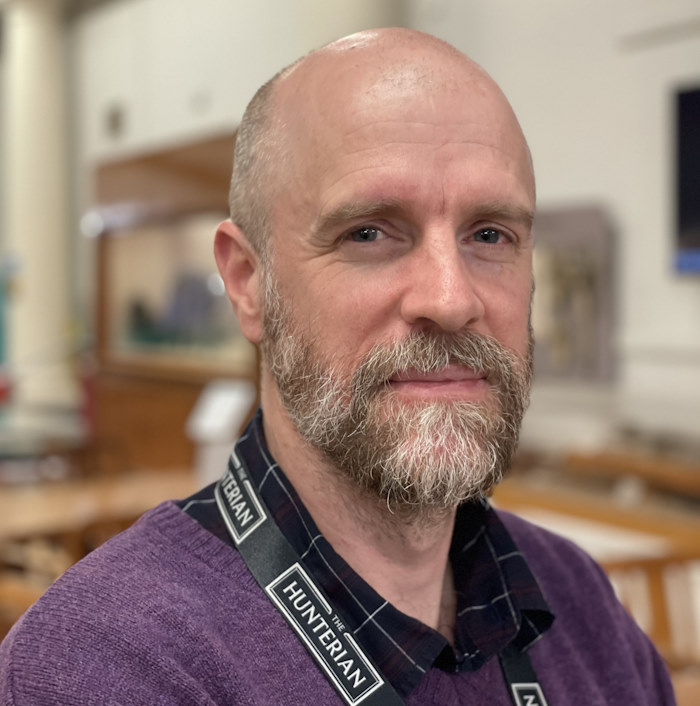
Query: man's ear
{"points": [[239, 267]]}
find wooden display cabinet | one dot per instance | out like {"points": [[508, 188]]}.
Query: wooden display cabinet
{"points": [[164, 325]]}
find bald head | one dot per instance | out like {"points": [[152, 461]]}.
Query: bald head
{"points": [[291, 120], [386, 186]]}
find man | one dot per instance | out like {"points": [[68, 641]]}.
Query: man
{"points": [[379, 252]]}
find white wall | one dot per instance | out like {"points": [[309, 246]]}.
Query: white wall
{"points": [[591, 83], [179, 69]]}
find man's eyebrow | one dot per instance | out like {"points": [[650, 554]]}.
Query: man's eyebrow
{"points": [[358, 210], [500, 210], [355, 211]]}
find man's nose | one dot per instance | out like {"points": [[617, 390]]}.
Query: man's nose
{"points": [[440, 291]]}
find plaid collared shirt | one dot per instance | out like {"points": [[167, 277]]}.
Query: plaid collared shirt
{"points": [[499, 601]]}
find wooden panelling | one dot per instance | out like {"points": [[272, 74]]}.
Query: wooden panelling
{"points": [[140, 422], [188, 178]]}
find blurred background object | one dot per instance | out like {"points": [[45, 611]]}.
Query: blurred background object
{"points": [[117, 127]]}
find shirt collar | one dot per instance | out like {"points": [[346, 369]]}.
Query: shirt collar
{"points": [[499, 602]]}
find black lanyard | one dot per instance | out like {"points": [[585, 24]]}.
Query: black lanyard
{"points": [[278, 570]]}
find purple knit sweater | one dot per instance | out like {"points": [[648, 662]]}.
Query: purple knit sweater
{"points": [[166, 613]]}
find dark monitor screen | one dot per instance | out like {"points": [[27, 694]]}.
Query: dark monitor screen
{"points": [[688, 180]]}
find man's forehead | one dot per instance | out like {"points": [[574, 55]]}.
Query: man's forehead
{"points": [[338, 101]]}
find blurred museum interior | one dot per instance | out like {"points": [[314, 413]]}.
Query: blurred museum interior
{"points": [[123, 376]]}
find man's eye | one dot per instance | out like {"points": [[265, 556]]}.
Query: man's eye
{"points": [[366, 234], [487, 235]]}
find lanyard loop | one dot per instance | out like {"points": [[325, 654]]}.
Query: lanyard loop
{"points": [[521, 678], [277, 568]]}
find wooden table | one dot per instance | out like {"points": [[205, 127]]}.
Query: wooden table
{"points": [[678, 528], [51, 508]]}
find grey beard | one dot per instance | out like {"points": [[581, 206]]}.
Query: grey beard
{"points": [[417, 457]]}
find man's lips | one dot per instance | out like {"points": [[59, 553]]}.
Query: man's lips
{"points": [[451, 373], [452, 382]]}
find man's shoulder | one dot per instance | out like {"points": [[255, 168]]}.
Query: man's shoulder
{"points": [[591, 626], [164, 547], [567, 576], [163, 559], [144, 597]]}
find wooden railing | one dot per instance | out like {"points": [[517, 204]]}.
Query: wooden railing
{"points": [[663, 595]]}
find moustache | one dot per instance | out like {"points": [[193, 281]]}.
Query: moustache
{"points": [[429, 352]]}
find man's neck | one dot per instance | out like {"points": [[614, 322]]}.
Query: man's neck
{"points": [[404, 560]]}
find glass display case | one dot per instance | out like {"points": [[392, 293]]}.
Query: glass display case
{"points": [[164, 305]]}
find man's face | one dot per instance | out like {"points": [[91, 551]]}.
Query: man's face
{"points": [[401, 256]]}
